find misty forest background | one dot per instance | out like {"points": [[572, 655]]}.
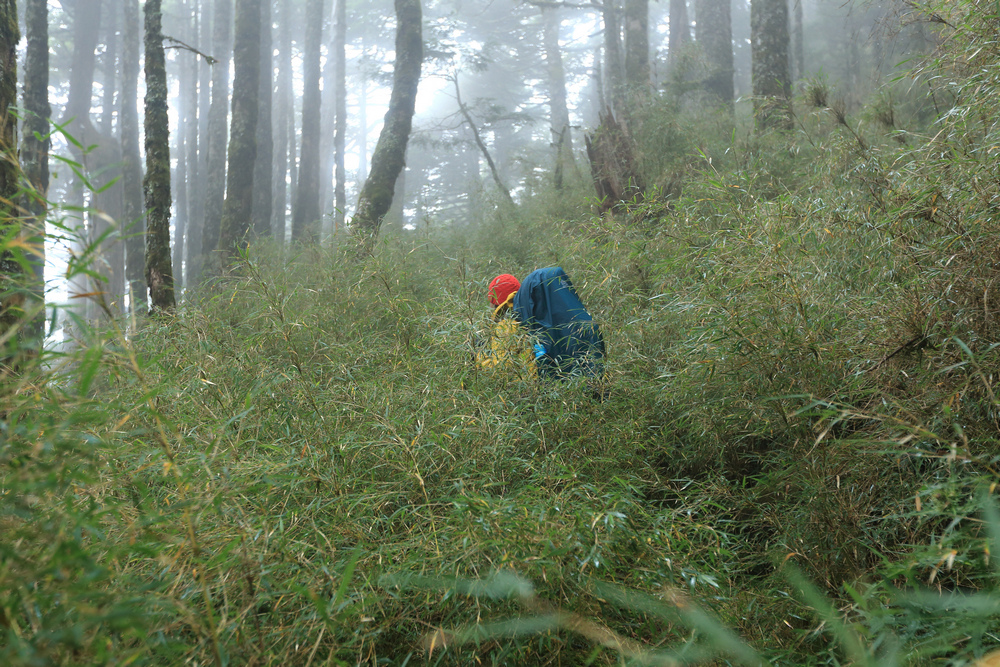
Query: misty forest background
{"points": [[244, 252]]}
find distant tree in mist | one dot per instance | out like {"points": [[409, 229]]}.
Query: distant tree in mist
{"points": [[562, 137], [680, 29], [263, 165], [218, 113], [637, 48], [715, 35], [238, 209], [772, 85], [305, 212], [340, 113], [133, 218]]}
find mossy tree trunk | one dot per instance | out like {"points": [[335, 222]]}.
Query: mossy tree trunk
{"points": [[715, 35], [772, 87], [13, 273], [387, 161], [35, 147], [156, 185], [238, 209], [305, 212], [134, 221]]}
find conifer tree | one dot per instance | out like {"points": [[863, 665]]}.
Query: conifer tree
{"points": [[715, 35], [238, 208], [305, 212], [133, 220], [35, 141], [156, 185], [772, 86], [12, 273]]}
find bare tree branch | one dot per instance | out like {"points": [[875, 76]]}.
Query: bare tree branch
{"points": [[178, 44]]}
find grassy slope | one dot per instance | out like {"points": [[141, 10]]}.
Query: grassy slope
{"points": [[307, 468]]}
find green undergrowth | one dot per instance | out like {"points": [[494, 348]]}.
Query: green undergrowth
{"points": [[794, 461]]}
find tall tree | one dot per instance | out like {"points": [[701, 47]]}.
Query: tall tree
{"points": [[284, 108], [109, 200], [798, 46], [35, 142], [305, 212], [562, 137], [715, 35], [340, 113], [191, 111], [680, 30], [387, 161], [637, 47], [156, 185], [218, 113], [772, 86], [238, 209], [12, 273], [133, 220], [201, 85], [614, 83], [263, 164]]}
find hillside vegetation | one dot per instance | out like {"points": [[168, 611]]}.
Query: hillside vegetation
{"points": [[794, 462]]}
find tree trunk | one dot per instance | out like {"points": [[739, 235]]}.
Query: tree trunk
{"points": [[159, 273], [35, 149], [86, 27], [180, 186], [111, 199], [109, 69], [305, 212], [340, 114], [614, 84], [798, 47], [265, 146], [680, 30], [197, 151], [562, 138], [363, 131], [13, 276], [285, 109], [193, 111], [238, 210], [612, 154], [387, 161], [218, 113], [772, 88], [715, 35], [133, 219], [637, 48]]}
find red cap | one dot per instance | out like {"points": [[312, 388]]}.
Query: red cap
{"points": [[502, 287]]}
